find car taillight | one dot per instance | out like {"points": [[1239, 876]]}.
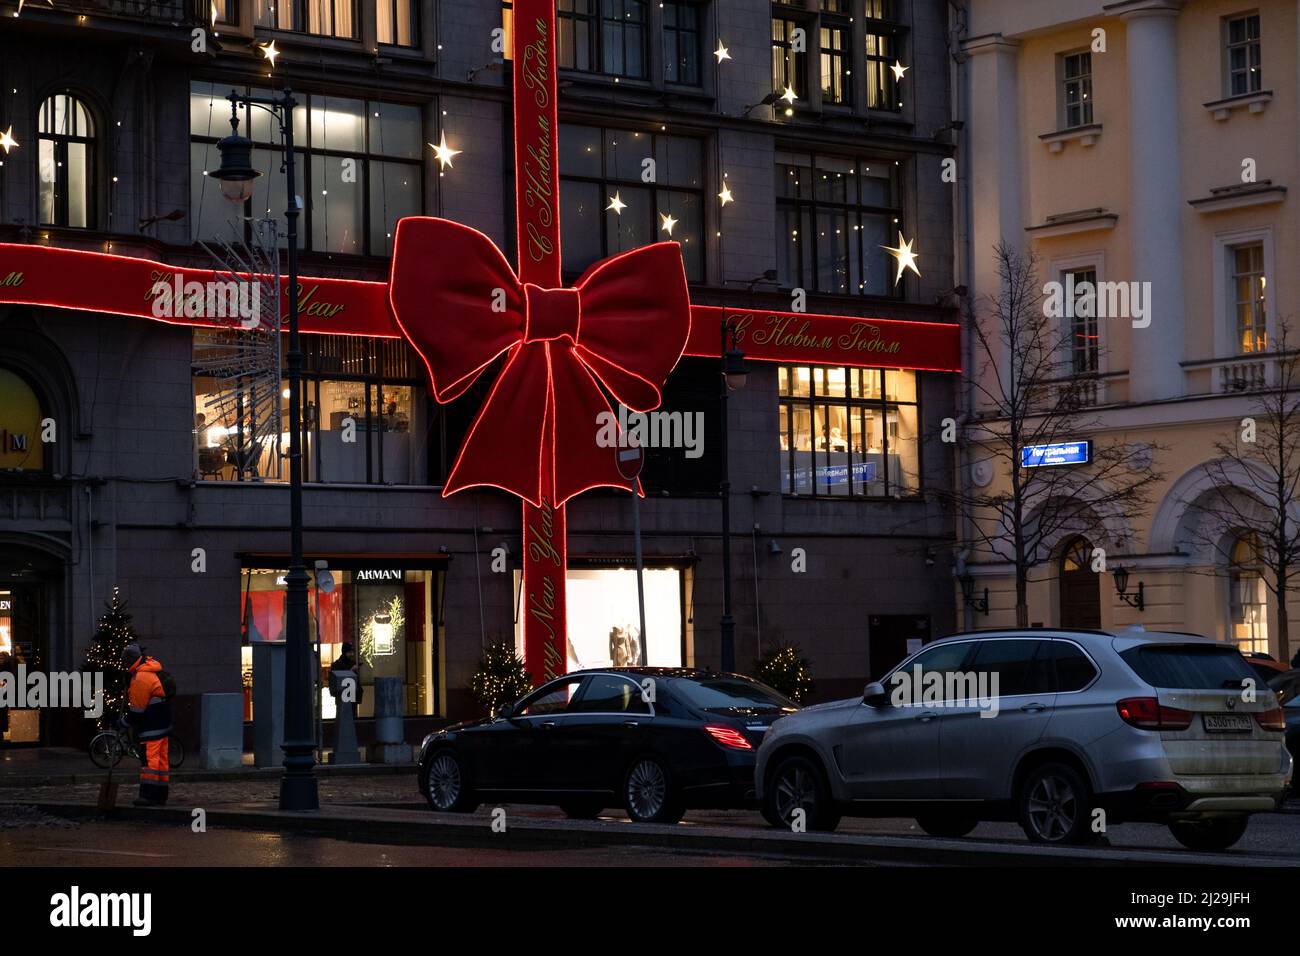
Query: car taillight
{"points": [[1149, 714], [728, 737], [1273, 719]]}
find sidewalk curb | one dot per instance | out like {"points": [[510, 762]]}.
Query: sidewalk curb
{"points": [[127, 771], [417, 828]]}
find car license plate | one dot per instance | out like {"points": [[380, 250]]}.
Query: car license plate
{"points": [[1227, 723]]}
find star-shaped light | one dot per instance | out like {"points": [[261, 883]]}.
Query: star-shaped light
{"points": [[616, 204], [212, 12], [667, 222], [721, 52], [789, 94], [904, 255], [443, 153], [22, 3], [7, 141], [899, 70], [725, 196], [270, 52]]}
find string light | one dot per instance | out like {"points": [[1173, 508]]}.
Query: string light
{"points": [[721, 52], [444, 153], [904, 256]]}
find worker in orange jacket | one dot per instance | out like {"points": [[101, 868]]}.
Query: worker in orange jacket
{"points": [[150, 715]]}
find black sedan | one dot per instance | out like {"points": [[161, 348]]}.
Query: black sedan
{"points": [[654, 741]]}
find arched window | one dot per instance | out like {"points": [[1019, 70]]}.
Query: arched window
{"points": [[1247, 597], [66, 135], [21, 448]]}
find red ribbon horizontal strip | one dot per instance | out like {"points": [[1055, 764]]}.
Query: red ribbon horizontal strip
{"points": [[99, 282]]}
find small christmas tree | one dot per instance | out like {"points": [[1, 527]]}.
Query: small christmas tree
{"points": [[501, 677], [105, 655], [786, 669]]}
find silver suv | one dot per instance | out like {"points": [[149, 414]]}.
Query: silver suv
{"points": [[1042, 727]]}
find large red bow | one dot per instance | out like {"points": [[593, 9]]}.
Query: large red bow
{"points": [[460, 305]]}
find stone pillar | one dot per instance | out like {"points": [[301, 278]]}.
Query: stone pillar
{"points": [[389, 746], [221, 731], [345, 724], [1155, 197], [268, 703], [993, 158]]}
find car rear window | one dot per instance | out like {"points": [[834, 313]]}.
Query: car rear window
{"points": [[727, 693], [1188, 666]]}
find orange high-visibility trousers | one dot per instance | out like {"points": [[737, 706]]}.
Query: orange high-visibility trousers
{"points": [[155, 774]]}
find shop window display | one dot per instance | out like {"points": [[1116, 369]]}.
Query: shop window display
{"points": [[604, 623], [848, 432], [387, 615]]}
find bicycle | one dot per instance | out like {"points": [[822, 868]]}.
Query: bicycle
{"points": [[108, 747]]}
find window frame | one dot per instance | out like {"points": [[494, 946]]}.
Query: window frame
{"points": [[1226, 342], [1249, 44], [792, 63], [882, 21], [1240, 571], [806, 208], [1086, 98], [61, 142], [696, 37], [305, 152], [882, 406], [835, 61], [415, 25], [610, 184], [299, 13]]}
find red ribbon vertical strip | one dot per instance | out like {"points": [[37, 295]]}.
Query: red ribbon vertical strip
{"points": [[537, 222]]}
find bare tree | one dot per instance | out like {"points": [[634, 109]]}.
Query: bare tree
{"points": [[1255, 480], [1030, 395]]}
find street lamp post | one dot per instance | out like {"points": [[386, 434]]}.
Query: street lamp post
{"points": [[236, 176], [734, 375]]}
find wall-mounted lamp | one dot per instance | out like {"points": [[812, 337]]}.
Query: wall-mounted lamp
{"points": [[1137, 600], [773, 546], [968, 595]]}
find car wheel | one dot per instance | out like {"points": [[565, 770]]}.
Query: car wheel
{"points": [[798, 784], [1055, 805], [445, 784], [1209, 836], [946, 825], [648, 793], [580, 810]]}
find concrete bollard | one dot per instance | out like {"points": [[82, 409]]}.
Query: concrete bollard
{"points": [[221, 731], [268, 703], [389, 746], [345, 724]]}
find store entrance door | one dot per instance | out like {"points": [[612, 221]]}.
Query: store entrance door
{"points": [[24, 639], [1080, 587]]}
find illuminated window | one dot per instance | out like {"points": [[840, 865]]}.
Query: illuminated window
{"points": [[21, 448], [1249, 284], [849, 432], [331, 18], [836, 79], [1242, 60], [789, 65], [66, 151], [883, 39], [359, 165], [1248, 598], [389, 615], [396, 22], [833, 219]]}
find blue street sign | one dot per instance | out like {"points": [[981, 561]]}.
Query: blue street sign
{"points": [[1057, 453]]}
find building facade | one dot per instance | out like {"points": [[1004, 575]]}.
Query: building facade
{"points": [[1149, 143], [164, 480]]}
